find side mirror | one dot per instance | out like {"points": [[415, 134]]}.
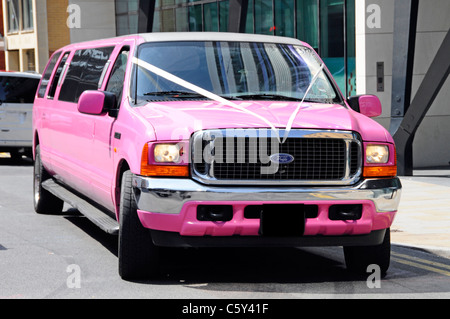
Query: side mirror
{"points": [[96, 102], [368, 105]]}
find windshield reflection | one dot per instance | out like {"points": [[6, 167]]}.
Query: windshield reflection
{"points": [[233, 70]]}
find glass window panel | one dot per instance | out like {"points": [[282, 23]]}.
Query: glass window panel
{"points": [[195, 18], [84, 72], [55, 80], [27, 12], [250, 18], [133, 5], [167, 20], [167, 2], [117, 77], [13, 15], [211, 21], [351, 49], [264, 17], [17, 89], [122, 25], [48, 72], [30, 59], [182, 19], [233, 69], [156, 22], [121, 6], [284, 18], [308, 22], [126, 16], [332, 39], [133, 23], [224, 10]]}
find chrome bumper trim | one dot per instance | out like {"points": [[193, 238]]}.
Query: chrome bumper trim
{"points": [[168, 195]]}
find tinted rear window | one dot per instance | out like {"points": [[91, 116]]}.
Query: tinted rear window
{"points": [[84, 72], [17, 89]]}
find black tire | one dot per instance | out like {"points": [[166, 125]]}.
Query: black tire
{"points": [[358, 258], [138, 256], [44, 201]]}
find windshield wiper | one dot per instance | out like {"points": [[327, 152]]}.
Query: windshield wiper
{"points": [[185, 94], [267, 97], [173, 93], [279, 97]]}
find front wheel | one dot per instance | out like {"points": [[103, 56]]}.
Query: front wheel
{"points": [[358, 258], [138, 256], [44, 201]]}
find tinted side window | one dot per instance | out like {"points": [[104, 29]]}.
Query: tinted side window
{"points": [[51, 92], [47, 74], [117, 77], [17, 89], [85, 72]]}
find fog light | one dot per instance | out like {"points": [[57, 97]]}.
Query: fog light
{"points": [[215, 213], [345, 212]]}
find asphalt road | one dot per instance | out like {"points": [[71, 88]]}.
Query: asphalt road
{"points": [[66, 256]]}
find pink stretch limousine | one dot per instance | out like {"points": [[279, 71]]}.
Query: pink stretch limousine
{"points": [[212, 140]]}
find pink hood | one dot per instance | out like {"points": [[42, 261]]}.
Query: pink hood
{"points": [[178, 120]]}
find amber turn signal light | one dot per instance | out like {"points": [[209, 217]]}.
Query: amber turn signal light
{"points": [[165, 170], [380, 171]]}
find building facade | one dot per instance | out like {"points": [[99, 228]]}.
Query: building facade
{"points": [[355, 38], [34, 29], [375, 44], [327, 25]]}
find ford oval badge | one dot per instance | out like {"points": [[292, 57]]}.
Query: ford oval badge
{"points": [[281, 158]]}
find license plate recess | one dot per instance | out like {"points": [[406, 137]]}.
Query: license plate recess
{"points": [[282, 220]]}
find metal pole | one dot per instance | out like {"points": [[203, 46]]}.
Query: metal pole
{"points": [[237, 15], [145, 15], [405, 25], [431, 84]]}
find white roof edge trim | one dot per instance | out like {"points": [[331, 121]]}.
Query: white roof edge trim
{"points": [[217, 36], [20, 74]]}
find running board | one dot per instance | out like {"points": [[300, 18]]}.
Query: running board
{"points": [[97, 216]]}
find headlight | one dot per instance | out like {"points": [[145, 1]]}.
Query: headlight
{"points": [[377, 154], [167, 153], [164, 160]]}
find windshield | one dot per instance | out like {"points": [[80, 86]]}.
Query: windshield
{"points": [[232, 70]]}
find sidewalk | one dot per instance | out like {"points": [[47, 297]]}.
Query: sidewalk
{"points": [[423, 218]]}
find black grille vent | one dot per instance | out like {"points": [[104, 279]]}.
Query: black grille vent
{"points": [[314, 159]]}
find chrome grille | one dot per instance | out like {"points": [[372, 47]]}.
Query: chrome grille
{"points": [[244, 157]]}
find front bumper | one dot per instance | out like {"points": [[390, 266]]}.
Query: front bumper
{"points": [[170, 205]]}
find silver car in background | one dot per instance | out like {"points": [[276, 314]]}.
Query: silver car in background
{"points": [[17, 92]]}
